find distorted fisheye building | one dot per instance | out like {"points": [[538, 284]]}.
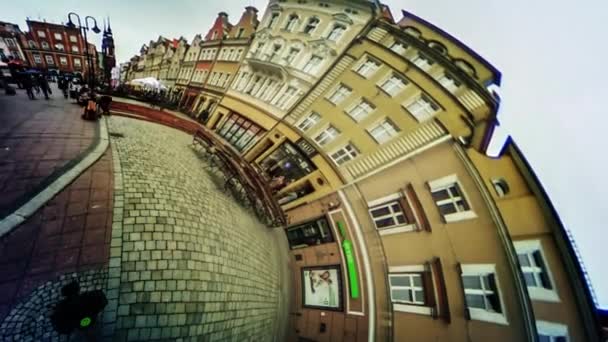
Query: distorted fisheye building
{"points": [[373, 135]]}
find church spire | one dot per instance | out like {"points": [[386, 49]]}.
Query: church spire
{"points": [[109, 28]]}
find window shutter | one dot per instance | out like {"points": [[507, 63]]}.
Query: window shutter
{"points": [[416, 206], [494, 298], [429, 289], [442, 304], [544, 275]]}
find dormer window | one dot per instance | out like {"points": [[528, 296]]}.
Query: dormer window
{"points": [[311, 25]]}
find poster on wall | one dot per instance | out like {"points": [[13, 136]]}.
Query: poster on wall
{"points": [[322, 288]]}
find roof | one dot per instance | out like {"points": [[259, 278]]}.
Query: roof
{"points": [[494, 70]]}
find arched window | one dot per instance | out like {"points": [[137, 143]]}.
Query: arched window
{"points": [[291, 23], [311, 25], [412, 31], [501, 187], [466, 67], [273, 20], [336, 32], [438, 47], [32, 44]]}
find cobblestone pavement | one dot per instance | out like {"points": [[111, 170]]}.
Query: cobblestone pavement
{"points": [[69, 235], [187, 262], [37, 139]]}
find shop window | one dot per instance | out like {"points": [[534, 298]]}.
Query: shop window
{"points": [[309, 234], [285, 165], [482, 294], [305, 189], [240, 132]]}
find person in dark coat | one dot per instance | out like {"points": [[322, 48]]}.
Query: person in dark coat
{"points": [[28, 84], [44, 86]]}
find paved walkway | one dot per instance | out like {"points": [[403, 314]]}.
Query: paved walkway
{"points": [[38, 139]]}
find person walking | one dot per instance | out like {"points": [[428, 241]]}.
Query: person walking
{"points": [[28, 84], [44, 86]]}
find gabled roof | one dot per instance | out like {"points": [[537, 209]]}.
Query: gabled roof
{"points": [[220, 27]]}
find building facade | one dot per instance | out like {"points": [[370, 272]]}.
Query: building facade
{"points": [[10, 48], [56, 48]]}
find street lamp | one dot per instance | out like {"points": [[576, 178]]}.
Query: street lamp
{"points": [[95, 29]]}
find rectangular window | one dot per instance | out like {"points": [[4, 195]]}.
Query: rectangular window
{"points": [[449, 83], [57, 36], [75, 49], [388, 215], [41, 34], [77, 62], [393, 85], [368, 68], [273, 20], [406, 288], [293, 52], [309, 234], [240, 132], [422, 108], [309, 121], [536, 273], [552, 332], [361, 110], [63, 60], [345, 154], [482, 295], [73, 39], [45, 45], [287, 97], [341, 93], [384, 131], [287, 161], [329, 134], [37, 59], [49, 59], [450, 199], [423, 62], [312, 64], [398, 48]]}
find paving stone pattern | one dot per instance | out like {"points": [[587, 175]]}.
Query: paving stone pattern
{"points": [[193, 264]]}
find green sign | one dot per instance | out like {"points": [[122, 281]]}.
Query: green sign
{"points": [[351, 266], [85, 322]]}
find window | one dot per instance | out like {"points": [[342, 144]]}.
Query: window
{"points": [[75, 49], [273, 20], [393, 85], [361, 110], [536, 273], [388, 215], [423, 62], [32, 44], [329, 134], [311, 25], [309, 234], [368, 68], [59, 47], [286, 98], [449, 83], [501, 187], [552, 332], [291, 23], [63, 60], [398, 48], [73, 39], [384, 131], [450, 199], [41, 34], [45, 45], [312, 64], [49, 59], [293, 52], [406, 288], [336, 32], [341, 93], [240, 132], [309, 121], [287, 161], [240, 32], [412, 31], [10, 42], [37, 59], [345, 154], [57, 36], [275, 51], [481, 293], [422, 108]]}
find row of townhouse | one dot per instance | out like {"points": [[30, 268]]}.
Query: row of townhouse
{"points": [[401, 227]]}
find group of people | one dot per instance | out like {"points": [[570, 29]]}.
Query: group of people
{"points": [[35, 83]]}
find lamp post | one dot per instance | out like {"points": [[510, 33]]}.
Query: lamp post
{"points": [[95, 29]]}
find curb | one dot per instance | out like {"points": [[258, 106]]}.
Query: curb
{"points": [[30, 207]]}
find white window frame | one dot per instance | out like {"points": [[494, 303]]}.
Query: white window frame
{"points": [[62, 59], [350, 152], [540, 293], [77, 62], [449, 82], [292, 24], [552, 329], [57, 36], [326, 136], [41, 34], [448, 182], [287, 97], [398, 48], [313, 64], [45, 45], [274, 18], [314, 27], [389, 81], [425, 108], [75, 49], [361, 110], [392, 214], [49, 57], [367, 67], [292, 54], [341, 93], [60, 47], [337, 31], [37, 58], [73, 39], [423, 62], [421, 309], [478, 314], [309, 121], [393, 131]]}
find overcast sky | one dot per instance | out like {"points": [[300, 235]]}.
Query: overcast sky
{"points": [[551, 53]]}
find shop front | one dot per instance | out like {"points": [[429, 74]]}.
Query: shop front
{"points": [[240, 132]]}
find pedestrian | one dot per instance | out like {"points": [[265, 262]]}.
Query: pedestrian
{"points": [[44, 86], [28, 84], [62, 84]]}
